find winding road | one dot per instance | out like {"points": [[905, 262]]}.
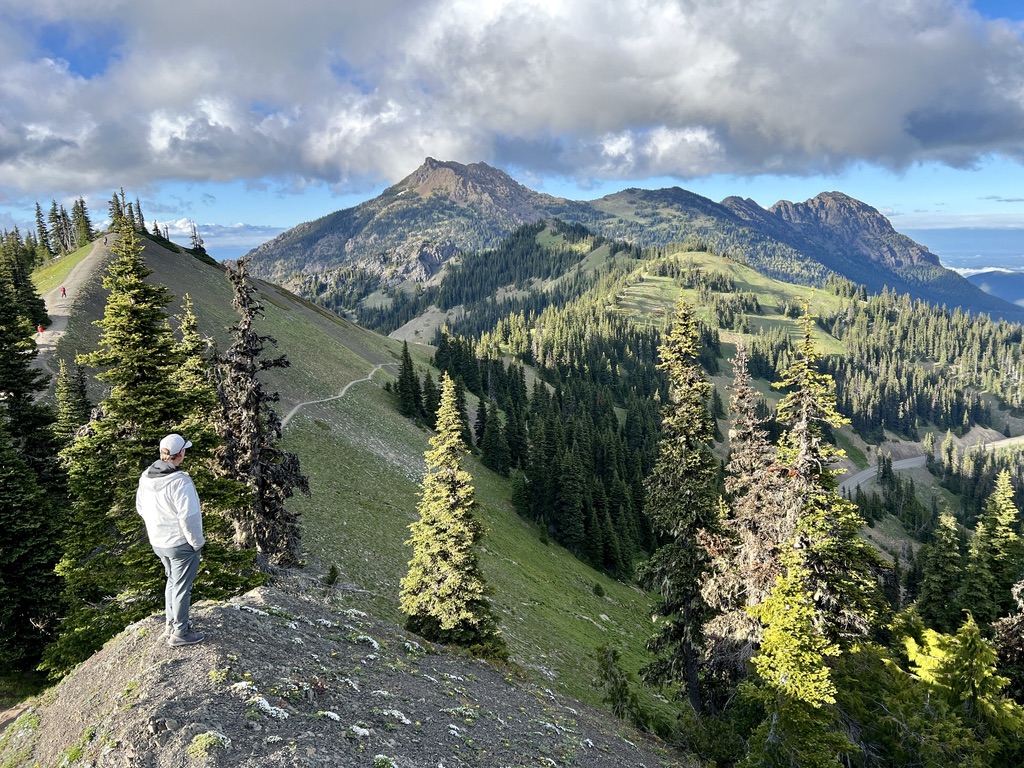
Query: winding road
{"points": [[850, 484]]}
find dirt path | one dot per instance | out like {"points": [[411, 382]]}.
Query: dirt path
{"points": [[58, 307], [367, 377]]}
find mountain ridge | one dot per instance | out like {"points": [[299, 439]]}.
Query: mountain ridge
{"points": [[408, 233]]}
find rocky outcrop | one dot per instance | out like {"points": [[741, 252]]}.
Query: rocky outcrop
{"points": [[295, 679], [839, 220]]}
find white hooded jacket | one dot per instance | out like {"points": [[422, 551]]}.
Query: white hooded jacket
{"points": [[168, 502]]}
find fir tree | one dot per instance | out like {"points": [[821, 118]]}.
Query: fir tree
{"points": [[42, 233], [748, 563], [251, 432], [838, 562], [494, 447], [962, 671], [28, 585], [28, 421], [110, 576], [73, 406], [410, 400], [801, 725], [996, 554], [444, 593], [682, 501], [942, 575], [232, 566], [431, 400]]}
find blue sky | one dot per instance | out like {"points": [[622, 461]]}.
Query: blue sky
{"points": [[251, 117]]}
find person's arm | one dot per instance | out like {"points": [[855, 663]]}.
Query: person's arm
{"points": [[190, 516]]}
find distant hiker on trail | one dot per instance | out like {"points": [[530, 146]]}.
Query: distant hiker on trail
{"points": [[168, 502], [104, 241], [40, 329], [63, 292]]}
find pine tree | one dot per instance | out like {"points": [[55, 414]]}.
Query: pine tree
{"points": [[28, 421], [42, 233], [81, 224], [494, 447], [232, 568], [1000, 547], [759, 526], [31, 490], [838, 562], [444, 593], [942, 574], [801, 725], [251, 432], [110, 576], [431, 400], [73, 406], [410, 400], [682, 501], [29, 588], [962, 671]]}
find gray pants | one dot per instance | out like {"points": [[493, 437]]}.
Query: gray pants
{"points": [[181, 564]]}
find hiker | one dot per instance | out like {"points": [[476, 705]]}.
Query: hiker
{"points": [[63, 292], [104, 241], [40, 329], [168, 502]]}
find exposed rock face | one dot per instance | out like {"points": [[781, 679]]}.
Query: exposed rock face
{"points": [[412, 229], [838, 218]]}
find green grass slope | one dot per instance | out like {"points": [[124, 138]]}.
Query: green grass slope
{"points": [[365, 462]]}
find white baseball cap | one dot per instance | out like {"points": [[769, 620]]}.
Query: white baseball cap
{"points": [[174, 444]]}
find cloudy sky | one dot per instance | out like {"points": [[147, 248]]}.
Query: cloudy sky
{"points": [[251, 116]]}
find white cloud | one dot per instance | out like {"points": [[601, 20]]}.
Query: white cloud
{"points": [[319, 91]]}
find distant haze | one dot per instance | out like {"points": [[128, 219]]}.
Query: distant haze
{"points": [[974, 250]]}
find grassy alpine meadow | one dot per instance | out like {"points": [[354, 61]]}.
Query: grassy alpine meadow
{"points": [[652, 299], [365, 462]]}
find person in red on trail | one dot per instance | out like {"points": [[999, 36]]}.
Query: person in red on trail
{"points": [[63, 292], [40, 329]]}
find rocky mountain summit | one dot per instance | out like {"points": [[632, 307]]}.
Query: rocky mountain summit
{"points": [[288, 677]]}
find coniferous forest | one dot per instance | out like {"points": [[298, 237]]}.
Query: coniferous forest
{"points": [[781, 635]]}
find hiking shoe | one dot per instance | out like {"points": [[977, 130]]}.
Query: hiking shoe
{"points": [[189, 638], [169, 629]]}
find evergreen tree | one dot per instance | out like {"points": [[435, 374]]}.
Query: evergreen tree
{"points": [[233, 567], [251, 432], [801, 724], [28, 421], [682, 501], [839, 564], [942, 575], [431, 400], [81, 224], [978, 587], [73, 406], [748, 563], [998, 551], [961, 670], [410, 402], [29, 588], [444, 593], [494, 446], [42, 233], [110, 576]]}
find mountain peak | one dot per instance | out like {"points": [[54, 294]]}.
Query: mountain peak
{"points": [[476, 182], [836, 219]]}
